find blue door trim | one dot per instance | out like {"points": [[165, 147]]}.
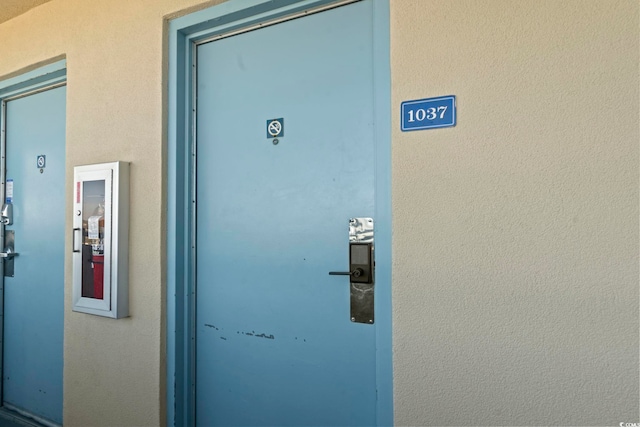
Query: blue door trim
{"points": [[184, 33], [38, 78]]}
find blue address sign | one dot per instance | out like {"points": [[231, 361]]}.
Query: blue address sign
{"points": [[428, 113]]}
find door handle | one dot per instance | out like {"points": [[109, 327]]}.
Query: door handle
{"points": [[8, 253], [360, 263], [355, 273]]}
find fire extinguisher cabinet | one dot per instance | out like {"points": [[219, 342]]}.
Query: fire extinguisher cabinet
{"points": [[101, 239]]}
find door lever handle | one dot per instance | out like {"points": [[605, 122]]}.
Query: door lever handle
{"points": [[8, 253], [357, 272]]}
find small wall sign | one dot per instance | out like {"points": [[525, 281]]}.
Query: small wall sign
{"points": [[428, 113], [275, 128], [9, 191], [41, 161]]}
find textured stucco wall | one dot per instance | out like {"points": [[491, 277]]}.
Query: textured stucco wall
{"points": [[515, 288], [114, 369]]}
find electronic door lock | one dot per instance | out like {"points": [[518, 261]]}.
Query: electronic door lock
{"points": [[361, 270], [8, 255], [6, 216], [360, 263]]}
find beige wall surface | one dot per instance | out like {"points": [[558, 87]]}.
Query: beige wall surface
{"points": [[114, 369], [515, 278]]}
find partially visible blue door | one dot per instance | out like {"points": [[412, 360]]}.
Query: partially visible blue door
{"points": [[275, 345], [34, 297]]}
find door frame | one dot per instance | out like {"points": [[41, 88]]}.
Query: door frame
{"points": [[39, 79], [183, 35]]}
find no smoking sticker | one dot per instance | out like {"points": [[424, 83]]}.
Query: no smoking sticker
{"points": [[275, 128]]}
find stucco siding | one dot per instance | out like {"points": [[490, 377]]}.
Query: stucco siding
{"points": [[515, 278]]}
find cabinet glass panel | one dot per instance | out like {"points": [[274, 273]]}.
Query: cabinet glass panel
{"points": [[93, 217]]}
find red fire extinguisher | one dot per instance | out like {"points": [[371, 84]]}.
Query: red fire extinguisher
{"points": [[97, 256], [98, 276]]}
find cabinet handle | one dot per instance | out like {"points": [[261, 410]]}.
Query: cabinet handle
{"points": [[74, 240]]}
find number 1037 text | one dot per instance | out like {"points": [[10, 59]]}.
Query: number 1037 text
{"points": [[429, 114]]}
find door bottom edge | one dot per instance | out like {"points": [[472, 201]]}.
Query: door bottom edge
{"points": [[25, 417]]}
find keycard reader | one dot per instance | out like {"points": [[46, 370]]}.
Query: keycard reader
{"points": [[360, 261], [361, 270]]}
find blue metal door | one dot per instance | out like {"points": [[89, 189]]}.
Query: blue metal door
{"points": [[275, 344], [34, 296]]}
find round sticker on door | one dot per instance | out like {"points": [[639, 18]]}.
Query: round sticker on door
{"points": [[41, 161]]}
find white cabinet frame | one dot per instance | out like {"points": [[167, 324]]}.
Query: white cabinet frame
{"points": [[103, 188]]}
